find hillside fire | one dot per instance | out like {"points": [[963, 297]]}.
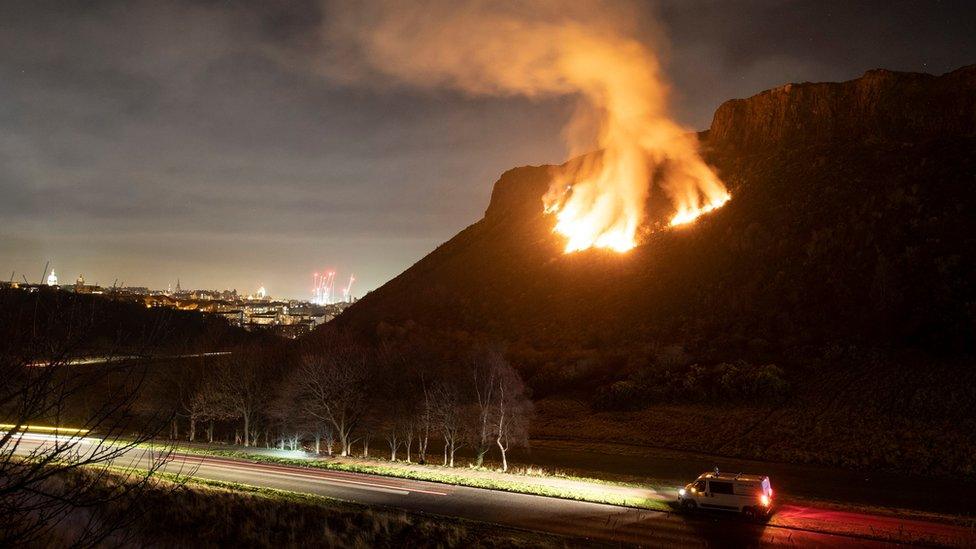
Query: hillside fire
{"points": [[549, 50]]}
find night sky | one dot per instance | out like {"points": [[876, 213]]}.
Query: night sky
{"points": [[206, 141]]}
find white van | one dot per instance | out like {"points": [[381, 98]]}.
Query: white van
{"points": [[748, 494]]}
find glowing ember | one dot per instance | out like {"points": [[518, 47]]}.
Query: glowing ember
{"points": [[689, 214]]}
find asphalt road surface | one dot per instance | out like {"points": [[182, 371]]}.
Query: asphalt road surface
{"points": [[596, 523]]}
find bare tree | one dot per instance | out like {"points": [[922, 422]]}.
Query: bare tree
{"points": [[241, 388], [290, 426], [449, 415], [484, 375], [512, 411], [409, 433], [425, 419], [367, 436], [332, 385], [328, 437], [398, 433], [322, 432]]}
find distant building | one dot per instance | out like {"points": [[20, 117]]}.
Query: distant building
{"points": [[82, 288], [263, 319], [52, 279], [234, 316]]}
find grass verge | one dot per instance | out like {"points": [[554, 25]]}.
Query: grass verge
{"points": [[181, 511], [565, 487]]}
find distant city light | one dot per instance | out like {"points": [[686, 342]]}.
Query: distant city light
{"points": [[290, 318]]}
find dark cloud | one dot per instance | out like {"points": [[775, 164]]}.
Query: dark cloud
{"points": [[208, 141]]}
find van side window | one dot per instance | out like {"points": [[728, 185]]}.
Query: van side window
{"points": [[721, 487], [700, 486]]}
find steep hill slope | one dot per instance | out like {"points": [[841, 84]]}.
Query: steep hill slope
{"points": [[847, 256], [851, 216]]}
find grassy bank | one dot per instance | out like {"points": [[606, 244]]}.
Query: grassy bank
{"points": [[208, 513], [526, 482]]}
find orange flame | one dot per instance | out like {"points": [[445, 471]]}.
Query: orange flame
{"points": [[602, 205], [548, 48], [689, 213]]}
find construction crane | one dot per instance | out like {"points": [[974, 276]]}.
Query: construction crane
{"points": [[323, 288], [347, 291], [330, 287]]}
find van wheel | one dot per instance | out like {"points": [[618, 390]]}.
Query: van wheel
{"points": [[750, 513], [689, 505]]}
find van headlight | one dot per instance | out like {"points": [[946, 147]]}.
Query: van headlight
{"points": [[682, 492]]}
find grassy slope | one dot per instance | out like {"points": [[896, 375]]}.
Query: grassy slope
{"points": [[534, 482], [201, 513]]}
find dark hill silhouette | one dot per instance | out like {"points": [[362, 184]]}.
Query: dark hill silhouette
{"points": [[57, 324], [848, 246]]}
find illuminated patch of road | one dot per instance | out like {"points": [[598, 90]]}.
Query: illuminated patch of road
{"points": [[321, 477]]}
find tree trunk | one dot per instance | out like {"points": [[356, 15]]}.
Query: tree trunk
{"points": [[504, 460], [318, 444], [210, 430], [445, 451], [247, 430], [193, 428]]}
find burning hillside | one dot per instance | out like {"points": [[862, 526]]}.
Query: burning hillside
{"points": [[548, 49], [851, 203]]}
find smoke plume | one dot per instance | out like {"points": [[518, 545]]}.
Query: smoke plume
{"points": [[546, 49]]}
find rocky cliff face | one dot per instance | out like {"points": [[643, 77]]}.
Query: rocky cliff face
{"points": [[881, 104], [849, 199]]}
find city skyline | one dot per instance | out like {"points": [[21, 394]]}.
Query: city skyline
{"points": [[317, 293]]}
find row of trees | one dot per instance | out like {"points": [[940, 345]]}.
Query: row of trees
{"points": [[339, 395]]}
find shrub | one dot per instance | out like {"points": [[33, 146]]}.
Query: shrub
{"points": [[737, 382]]}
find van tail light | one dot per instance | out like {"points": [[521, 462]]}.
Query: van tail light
{"points": [[764, 499]]}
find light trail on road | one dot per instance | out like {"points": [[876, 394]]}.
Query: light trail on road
{"points": [[86, 361], [581, 520]]}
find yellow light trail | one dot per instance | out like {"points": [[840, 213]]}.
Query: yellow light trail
{"points": [[43, 429]]}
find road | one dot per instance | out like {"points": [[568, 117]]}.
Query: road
{"points": [[808, 482], [584, 521]]}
